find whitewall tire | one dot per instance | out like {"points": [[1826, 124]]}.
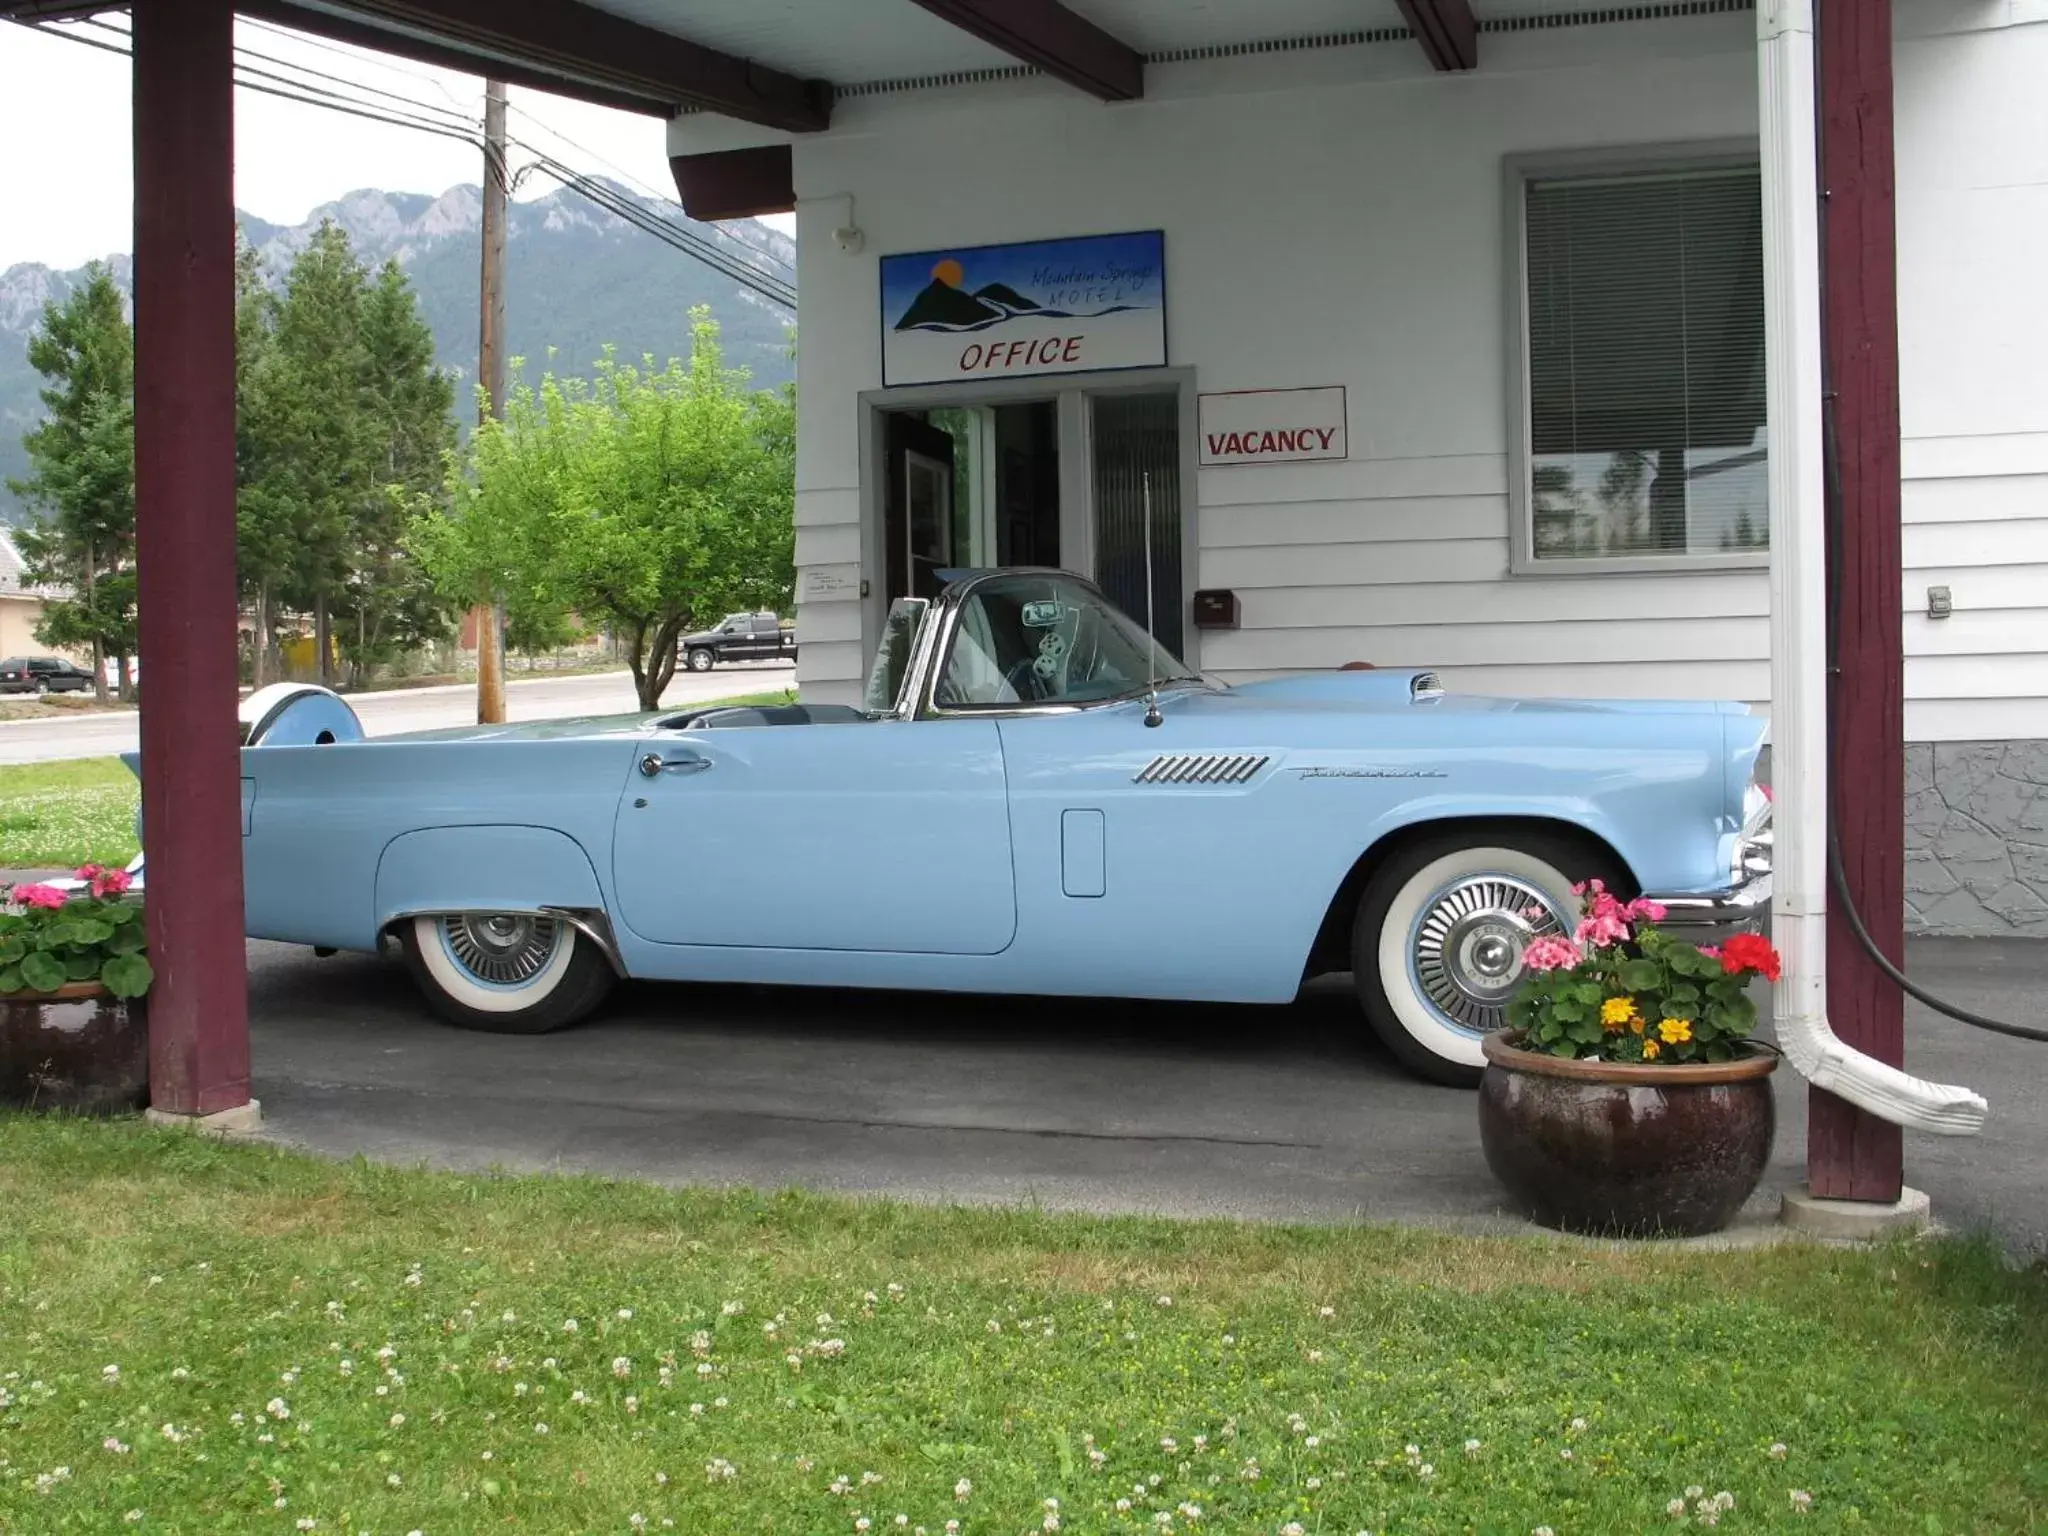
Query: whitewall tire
{"points": [[1437, 949], [508, 972]]}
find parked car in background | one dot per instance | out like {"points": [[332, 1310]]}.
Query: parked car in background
{"points": [[740, 637], [43, 674], [1034, 799]]}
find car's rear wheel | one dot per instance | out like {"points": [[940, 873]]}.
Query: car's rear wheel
{"points": [[1437, 948], [701, 658], [513, 973]]}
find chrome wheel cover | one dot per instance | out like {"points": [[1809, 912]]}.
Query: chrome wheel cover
{"points": [[501, 949], [1465, 949]]}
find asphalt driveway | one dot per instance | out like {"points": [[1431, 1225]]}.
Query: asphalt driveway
{"points": [[1275, 1114]]}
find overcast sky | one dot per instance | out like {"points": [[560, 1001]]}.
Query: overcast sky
{"points": [[65, 182]]}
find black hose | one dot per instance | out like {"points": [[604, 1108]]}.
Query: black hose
{"points": [[1832, 522]]}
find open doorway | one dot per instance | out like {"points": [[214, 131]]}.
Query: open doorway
{"points": [[969, 486]]}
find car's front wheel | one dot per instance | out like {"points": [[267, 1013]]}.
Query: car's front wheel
{"points": [[1437, 948], [513, 973], [701, 658]]}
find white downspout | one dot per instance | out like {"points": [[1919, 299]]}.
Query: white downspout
{"points": [[1799, 726]]}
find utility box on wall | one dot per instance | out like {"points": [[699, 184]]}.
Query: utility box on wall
{"points": [[1215, 608]]}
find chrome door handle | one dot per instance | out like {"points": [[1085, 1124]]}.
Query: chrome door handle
{"points": [[653, 765]]}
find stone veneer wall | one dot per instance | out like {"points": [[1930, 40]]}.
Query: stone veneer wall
{"points": [[1977, 838]]}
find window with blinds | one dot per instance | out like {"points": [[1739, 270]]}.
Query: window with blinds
{"points": [[1645, 387]]}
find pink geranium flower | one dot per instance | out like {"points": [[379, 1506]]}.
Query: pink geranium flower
{"points": [[1643, 910], [1553, 952], [107, 882], [46, 896]]}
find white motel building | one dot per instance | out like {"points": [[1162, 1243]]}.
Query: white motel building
{"points": [[1424, 362]]}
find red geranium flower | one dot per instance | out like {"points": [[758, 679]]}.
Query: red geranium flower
{"points": [[1750, 952]]}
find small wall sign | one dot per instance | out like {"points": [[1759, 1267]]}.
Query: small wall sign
{"points": [[1272, 426], [822, 583], [1008, 311]]}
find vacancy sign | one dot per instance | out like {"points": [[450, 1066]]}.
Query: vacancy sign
{"points": [[1272, 426]]}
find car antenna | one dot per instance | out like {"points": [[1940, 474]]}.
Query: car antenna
{"points": [[1152, 715]]}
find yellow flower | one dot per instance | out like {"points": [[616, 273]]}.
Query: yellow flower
{"points": [[1616, 1012], [1652, 1050], [1674, 1031]]}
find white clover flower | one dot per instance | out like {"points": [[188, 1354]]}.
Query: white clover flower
{"points": [[1426, 1471], [962, 1489], [718, 1469], [569, 1325], [114, 1446], [839, 1485], [1694, 1491], [277, 1408], [1169, 1445], [1724, 1501], [579, 1396], [1777, 1450], [1314, 1483], [1050, 1523], [624, 1314], [706, 1368], [393, 1480], [133, 1517], [1201, 1442], [307, 1522], [1123, 1506], [1472, 1447], [637, 1521], [1675, 1509], [1578, 1426], [1802, 1501], [869, 1479], [1164, 1301], [1565, 1454], [861, 1523], [1313, 1441], [621, 1367], [413, 1277], [1543, 1530], [1292, 1528], [732, 1309], [1096, 1458], [508, 1316], [387, 1353], [632, 1403], [1230, 1338], [1315, 1357], [397, 1419], [1326, 1312], [902, 1520], [382, 1390], [110, 1372], [540, 1429], [894, 1289]]}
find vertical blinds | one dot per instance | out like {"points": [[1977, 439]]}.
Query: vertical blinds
{"points": [[1136, 435], [1646, 334]]}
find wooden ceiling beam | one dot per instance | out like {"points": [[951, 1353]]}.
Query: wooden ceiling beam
{"points": [[1447, 30], [1048, 36], [569, 49]]}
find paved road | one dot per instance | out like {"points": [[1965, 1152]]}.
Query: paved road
{"points": [[415, 709], [1277, 1114]]}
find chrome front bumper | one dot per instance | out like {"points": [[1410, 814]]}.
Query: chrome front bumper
{"points": [[1710, 918]]}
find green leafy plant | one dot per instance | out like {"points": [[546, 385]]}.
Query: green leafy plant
{"points": [[50, 936], [1621, 989]]}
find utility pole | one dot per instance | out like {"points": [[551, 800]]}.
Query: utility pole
{"points": [[489, 618]]}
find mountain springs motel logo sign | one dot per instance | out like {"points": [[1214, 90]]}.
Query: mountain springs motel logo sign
{"points": [[1007, 311]]}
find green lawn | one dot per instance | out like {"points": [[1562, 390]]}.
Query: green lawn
{"points": [[232, 1339], [59, 815]]}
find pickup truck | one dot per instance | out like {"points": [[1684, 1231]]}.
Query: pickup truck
{"points": [[740, 637]]}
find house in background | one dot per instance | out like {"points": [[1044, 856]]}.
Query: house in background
{"points": [[21, 606]]}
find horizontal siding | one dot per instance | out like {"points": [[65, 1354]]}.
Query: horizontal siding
{"points": [[1355, 522], [1977, 719], [1473, 642], [1524, 600], [1976, 499], [1356, 565], [835, 545], [1385, 479], [823, 623], [832, 662], [1990, 542]]}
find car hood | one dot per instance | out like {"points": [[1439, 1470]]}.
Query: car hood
{"points": [[1413, 689]]}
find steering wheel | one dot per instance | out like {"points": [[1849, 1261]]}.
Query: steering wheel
{"points": [[1024, 681]]}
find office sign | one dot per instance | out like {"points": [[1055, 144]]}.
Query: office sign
{"points": [[1011, 311], [1272, 426]]}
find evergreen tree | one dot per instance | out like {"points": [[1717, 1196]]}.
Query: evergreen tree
{"points": [[82, 475]]}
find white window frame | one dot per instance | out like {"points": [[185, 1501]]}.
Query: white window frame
{"points": [[1520, 170]]}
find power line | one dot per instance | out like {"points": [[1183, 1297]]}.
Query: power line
{"points": [[722, 259]]}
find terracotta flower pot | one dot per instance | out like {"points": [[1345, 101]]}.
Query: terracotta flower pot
{"points": [[1617, 1148], [78, 1049]]}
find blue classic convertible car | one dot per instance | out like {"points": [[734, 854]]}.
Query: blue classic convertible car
{"points": [[1034, 800]]}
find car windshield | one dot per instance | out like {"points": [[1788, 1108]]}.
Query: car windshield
{"points": [[1047, 639]]}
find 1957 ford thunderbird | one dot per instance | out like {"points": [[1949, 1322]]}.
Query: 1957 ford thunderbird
{"points": [[1032, 801]]}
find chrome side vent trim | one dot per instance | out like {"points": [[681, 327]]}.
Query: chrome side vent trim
{"points": [[1424, 686], [1201, 768]]}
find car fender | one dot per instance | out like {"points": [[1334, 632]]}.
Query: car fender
{"points": [[491, 868]]}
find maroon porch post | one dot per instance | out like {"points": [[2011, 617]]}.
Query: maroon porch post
{"points": [[185, 551], [1851, 1155]]}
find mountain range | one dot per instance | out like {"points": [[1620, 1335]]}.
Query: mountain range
{"points": [[577, 277]]}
